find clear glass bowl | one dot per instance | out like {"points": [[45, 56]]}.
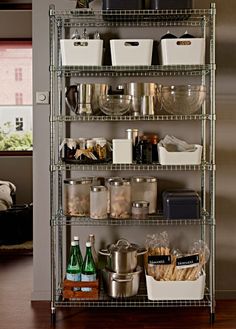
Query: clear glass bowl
{"points": [[185, 99], [115, 104]]}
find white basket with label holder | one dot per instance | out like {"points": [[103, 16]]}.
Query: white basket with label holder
{"points": [[182, 51], [131, 51], [81, 52], [180, 158]]}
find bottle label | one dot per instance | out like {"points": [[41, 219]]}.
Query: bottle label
{"points": [[73, 277], [88, 277]]}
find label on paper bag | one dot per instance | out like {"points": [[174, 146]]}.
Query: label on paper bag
{"points": [[159, 260], [187, 261]]}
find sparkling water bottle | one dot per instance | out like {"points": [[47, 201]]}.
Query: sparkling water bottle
{"points": [[88, 272], [73, 270]]}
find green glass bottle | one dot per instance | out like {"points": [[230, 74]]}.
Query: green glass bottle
{"points": [[73, 270], [80, 257], [88, 272]]}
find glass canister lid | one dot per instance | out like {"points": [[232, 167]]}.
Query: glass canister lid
{"points": [[97, 188], [144, 179], [120, 182], [140, 204], [77, 181]]}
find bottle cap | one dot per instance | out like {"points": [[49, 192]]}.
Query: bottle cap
{"points": [[88, 244], [76, 238], [73, 243]]}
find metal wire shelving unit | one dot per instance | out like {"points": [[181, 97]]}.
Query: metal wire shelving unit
{"points": [[60, 23]]}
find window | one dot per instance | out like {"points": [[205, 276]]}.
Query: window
{"points": [[18, 74], [19, 124], [16, 95], [18, 98]]}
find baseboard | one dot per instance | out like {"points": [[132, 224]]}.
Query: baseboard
{"points": [[42, 295], [225, 294]]}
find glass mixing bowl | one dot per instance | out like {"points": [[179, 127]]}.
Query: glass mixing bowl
{"points": [[184, 99], [115, 104]]}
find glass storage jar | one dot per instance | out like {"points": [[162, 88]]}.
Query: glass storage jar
{"points": [[140, 209], [108, 186], [145, 188], [98, 202], [77, 196], [120, 199]]}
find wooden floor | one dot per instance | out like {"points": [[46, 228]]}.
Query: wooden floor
{"points": [[17, 312]]}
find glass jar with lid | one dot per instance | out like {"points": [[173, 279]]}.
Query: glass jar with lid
{"points": [[145, 188], [98, 202], [120, 199], [77, 196], [108, 180], [140, 209]]}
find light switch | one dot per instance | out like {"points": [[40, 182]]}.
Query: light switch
{"points": [[42, 97]]}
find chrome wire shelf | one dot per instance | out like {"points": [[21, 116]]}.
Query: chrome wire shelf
{"points": [[140, 300], [129, 167], [132, 18], [132, 71], [157, 220], [108, 118]]}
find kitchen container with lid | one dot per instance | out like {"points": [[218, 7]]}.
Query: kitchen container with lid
{"points": [[120, 199], [145, 188], [171, 4], [76, 196], [108, 186], [123, 4], [98, 202], [181, 204], [122, 256], [140, 209]]}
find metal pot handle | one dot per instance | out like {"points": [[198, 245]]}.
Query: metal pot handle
{"points": [[143, 252], [123, 280], [104, 252]]}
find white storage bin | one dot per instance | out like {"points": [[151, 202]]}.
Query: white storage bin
{"points": [[131, 51], [182, 51], [81, 52], [122, 151], [180, 158], [175, 290]]}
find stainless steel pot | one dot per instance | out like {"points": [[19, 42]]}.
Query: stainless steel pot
{"points": [[121, 285], [122, 256]]}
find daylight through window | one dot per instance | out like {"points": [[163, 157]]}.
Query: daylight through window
{"points": [[15, 96]]}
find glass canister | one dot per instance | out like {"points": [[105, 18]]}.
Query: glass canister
{"points": [[108, 186], [140, 209], [120, 199], [77, 196], [145, 188], [98, 202]]}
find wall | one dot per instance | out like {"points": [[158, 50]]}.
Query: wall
{"points": [[225, 246], [18, 170]]}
